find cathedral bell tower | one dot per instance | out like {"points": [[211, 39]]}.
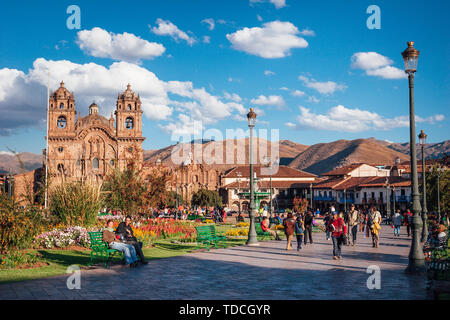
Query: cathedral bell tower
{"points": [[61, 113], [128, 114], [129, 128]]}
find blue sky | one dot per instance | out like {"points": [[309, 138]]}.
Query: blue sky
{"points": [[312, 69]]}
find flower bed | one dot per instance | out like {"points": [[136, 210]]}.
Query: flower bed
{"points": [[242, 224], [237, 232], [63, 237]]}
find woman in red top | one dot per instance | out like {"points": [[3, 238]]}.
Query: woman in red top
{"points": [[338, 230], [265, 228]]}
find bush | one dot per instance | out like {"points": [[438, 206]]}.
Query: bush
{"points": [[16, 259], [18, 226], [75, 203]]}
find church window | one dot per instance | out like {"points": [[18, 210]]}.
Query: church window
{"points": [[111, 163], [61, 106], [60, 149], [62, 122], [129, 123], [60, 167], [129, 107], [95, 163]]}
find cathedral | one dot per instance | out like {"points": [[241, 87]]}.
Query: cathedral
{"points": [[88, 147]]}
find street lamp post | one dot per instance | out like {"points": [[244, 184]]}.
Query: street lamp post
{"points": [[268, 162], [252, 239], [439, 170], [393, 196], [422, 140], [388, 200], [416, 262], [311, 196]]}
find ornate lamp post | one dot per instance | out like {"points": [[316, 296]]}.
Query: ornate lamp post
{"points": [[388, 200], [252, 239], [416, 262], [422, 140]]}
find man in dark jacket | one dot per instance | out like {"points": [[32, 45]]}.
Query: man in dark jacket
{"points": [[126, 232], [289, 226], [308, 227]]}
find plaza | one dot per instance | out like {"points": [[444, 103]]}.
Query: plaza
{"points": [[266, 272]]}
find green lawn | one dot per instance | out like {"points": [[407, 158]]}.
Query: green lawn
{"points": [[59, 259]]}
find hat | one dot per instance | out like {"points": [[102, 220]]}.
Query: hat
{"points": [[332, 209]]}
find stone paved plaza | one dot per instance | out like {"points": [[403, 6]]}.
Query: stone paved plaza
{"points": [[264, 272]]}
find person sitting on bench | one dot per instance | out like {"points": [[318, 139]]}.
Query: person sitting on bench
{"points": [[126, 231], [129, 253], [265, 228]]}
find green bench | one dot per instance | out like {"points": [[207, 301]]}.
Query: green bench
{"points": [[260, 232], [100, 249], [207, 235], [195, 217]]}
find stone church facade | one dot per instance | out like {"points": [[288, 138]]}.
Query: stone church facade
{"points": [[88, 147]]}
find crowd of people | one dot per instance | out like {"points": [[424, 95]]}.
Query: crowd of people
{"points": [[340, 227]]}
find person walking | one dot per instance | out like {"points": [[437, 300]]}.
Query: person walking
{"points": [[374, 225], [338, 231], [289, 225], [362, 221], [299, 230], [326, 222], [353, 222], [308, 224], [397, 222], [408, 221]]}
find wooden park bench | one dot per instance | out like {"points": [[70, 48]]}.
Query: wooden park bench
{"points": [[100, 249], [207, 235]]}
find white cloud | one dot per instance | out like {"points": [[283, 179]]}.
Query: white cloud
{"points": [[7, 153], [307, 32], [313, 99], [326, 88], [206, 39], [277, 3], [210, 23], [377, 65], [167, 28], [290, 124], [259, 18], [340, 118], [387, 72], [234, 97], [269, 73], [23, 96], [274, 40], [271, 100], [124, 46], [297, 93]]}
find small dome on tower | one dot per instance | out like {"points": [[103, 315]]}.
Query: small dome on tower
{"points": [[62, 92], [93, 108]]}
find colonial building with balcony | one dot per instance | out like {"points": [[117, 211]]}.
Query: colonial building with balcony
{"points": [[287, 183]]}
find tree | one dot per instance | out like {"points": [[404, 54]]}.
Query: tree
{"points": [[432, 193], [125, 190], [206, 198], [300, 204]]}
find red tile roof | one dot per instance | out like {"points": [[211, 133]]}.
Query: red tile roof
{"points": [[266, 185], [343, 170], [283, 172]]}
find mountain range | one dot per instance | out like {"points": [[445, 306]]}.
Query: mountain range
{"points": [[317, 158]]}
